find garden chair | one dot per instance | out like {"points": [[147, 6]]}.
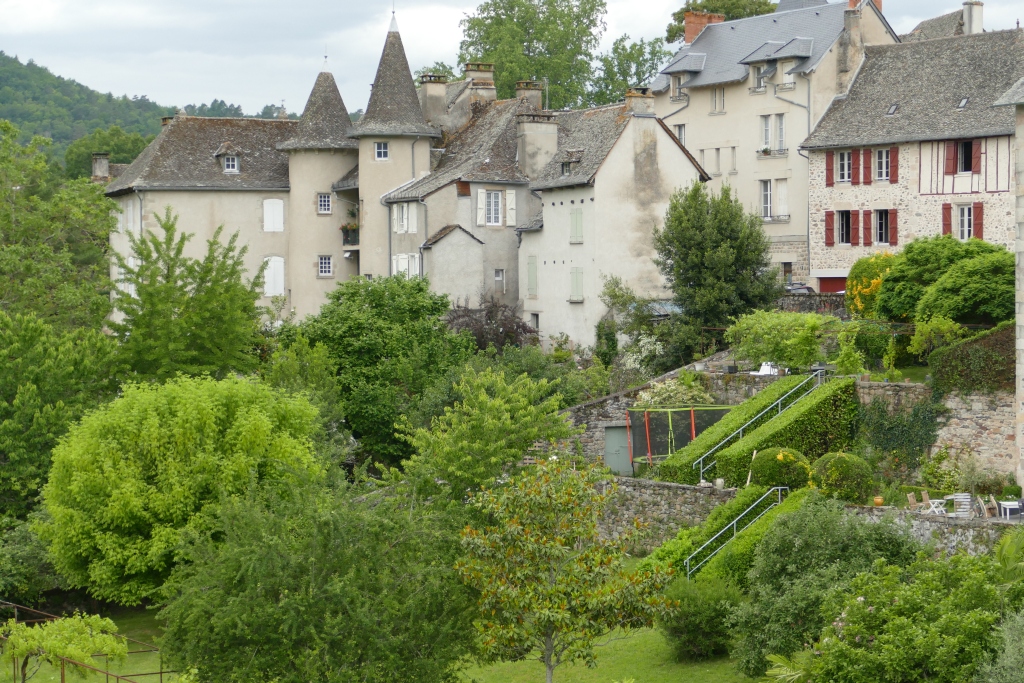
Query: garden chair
{"points": [[936, 507], [991, 507], [912, 503], [963, 504]]}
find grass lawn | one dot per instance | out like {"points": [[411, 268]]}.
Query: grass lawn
{"points": [[644, 657]]}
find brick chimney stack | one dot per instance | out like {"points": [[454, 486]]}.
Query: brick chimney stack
{"points": [[100, 167], [696, 21]]}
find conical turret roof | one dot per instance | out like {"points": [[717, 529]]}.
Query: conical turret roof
{"points": [[325, 123], [394, 107]]}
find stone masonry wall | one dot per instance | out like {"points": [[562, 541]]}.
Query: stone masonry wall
{"points": [[985, 425], [666, 507], [950, 534], [899, 396]]}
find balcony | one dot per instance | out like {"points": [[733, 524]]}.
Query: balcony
{"points": [[786, 86], [780, 218], [350, 237], [768, 153], [681, 98], [758, 90]]}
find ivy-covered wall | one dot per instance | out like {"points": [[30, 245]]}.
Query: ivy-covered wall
{"points": [[983, 363]]}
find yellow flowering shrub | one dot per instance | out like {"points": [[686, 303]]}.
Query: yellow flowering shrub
{"points": [[864, 282]]}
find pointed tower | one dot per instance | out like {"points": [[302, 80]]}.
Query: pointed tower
{"points": [[394, 149], [325, 123]]}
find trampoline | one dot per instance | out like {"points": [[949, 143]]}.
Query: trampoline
{"points": [[656, 432]]}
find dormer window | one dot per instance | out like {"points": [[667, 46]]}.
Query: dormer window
{"points": [[381, 151], [230, 163], [566, 167], [759, 77]]}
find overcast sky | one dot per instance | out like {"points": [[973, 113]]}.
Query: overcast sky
{"points": [[257, 52]]}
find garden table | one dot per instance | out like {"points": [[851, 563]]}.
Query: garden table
{"points": [[1006, 506]]}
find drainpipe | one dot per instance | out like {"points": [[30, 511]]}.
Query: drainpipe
{"points": [[807, 108], [389, 208], [426, 233]]}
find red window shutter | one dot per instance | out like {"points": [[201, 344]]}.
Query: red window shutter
{"points": [[830, 228], [978, 214], [855, 228], [976, 156], [868, 228], [855, 167], [867, 167], [830, 169], [947, 219], [894, 165], [894, 230], [950, 158]]}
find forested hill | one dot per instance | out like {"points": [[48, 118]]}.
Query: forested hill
{"points": [[40, 103]]}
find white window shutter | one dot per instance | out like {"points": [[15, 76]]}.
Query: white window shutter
{"points": [[394, 265], [510, 208], [273, 215], [403, 264], [394, 217], [782, 197], [481, 207], [410, 212], [273, 276]]}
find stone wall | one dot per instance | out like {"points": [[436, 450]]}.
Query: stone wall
{"points": [[986, 426], [949, 534], [899, 396], [666, 507]]}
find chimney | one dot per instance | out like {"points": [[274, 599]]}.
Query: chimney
{"points": [[537, 139], [972, 17], [850, 49], [479, 71], [481, 78], [696, 21], [639, 101], [100, 167], [433, 97], [532, 92], [165, 120]]}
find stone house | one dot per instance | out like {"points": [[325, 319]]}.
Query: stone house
{"points": [[915, 149], [740, 95]]}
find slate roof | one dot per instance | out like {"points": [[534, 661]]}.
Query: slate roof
{"points": [[927, 79], [787, 5], [945, 26], [394, 106], [724, 46], [325, 123], [349, 181], [444, 232], [1014, 95], [183, 156], [484, 151]]}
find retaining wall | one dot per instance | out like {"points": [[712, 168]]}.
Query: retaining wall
{"points": [[949, 534]]}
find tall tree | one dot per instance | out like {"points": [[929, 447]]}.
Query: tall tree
{"points": [[122, 146], [627, 65], [528, 39], [550, 587], [717, 262], [185, 315], [732, 9]]}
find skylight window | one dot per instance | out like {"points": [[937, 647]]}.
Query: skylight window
{"points": [[963, 102], [892, 110]]}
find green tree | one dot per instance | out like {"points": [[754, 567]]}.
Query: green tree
{"points": [[185, 315], [1009, 661], [134, 474], [48, 380], [977, 290], [493, 426], [320, 586], [77, 637], [389, 339], [626, 65], [122, 147], [732, 9], [717, 262], [438, 68], [934, 333], [550, 586], [25, 570], [792, 339], [536, 39]]}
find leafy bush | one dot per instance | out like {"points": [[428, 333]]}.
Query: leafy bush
{"points": [[931, 621], [698, 627], [935, 333], [983, 363], [1012, 491], [978, 291], [790, 339], [801, 558], [686, 389], [850, 359], [1009, 660], [844, 476], [25, 570], [679, 466], [865, 281], [823, 421], [780, 467]]}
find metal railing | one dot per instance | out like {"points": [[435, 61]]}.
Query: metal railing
{"points": [[816, 377], [735, 528]]}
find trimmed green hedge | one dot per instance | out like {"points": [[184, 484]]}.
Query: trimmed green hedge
{"points": [[825, 421], [982, 363], [679, 466]]}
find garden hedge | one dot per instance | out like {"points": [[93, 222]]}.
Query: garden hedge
{"points": [[679, 466], [844, 476], [780, 467], [823, 422], [982, 363]]}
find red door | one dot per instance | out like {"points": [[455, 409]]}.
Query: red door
{"points": [[831, 285]]}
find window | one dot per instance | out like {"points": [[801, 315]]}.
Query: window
{"points": [[273, 276], [531, 277], [882, 164], [566, 167], [766, 134], [732, 161], [965, 156], [963, 103], [845, 166], [718, 161], [882, 226], [405, 264], [535, 321], [759, 78], [681, 133], [966, 222], [499, 279], [493, 208], [787, 78], [381, 150], [575, 226], [844, 227], [400, 217], [576, 293], [325, 266], [717, 100], [231, 164], [780, 132], [781, 199], [892, 110], [787, 273], [273, 215], [677, 87], [323, 203], [766, 199]]}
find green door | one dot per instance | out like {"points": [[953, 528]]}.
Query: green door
{"points": [[616, 452]]}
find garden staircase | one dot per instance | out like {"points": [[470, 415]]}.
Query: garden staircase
{"points": [[761, 506], [784, 403]]}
